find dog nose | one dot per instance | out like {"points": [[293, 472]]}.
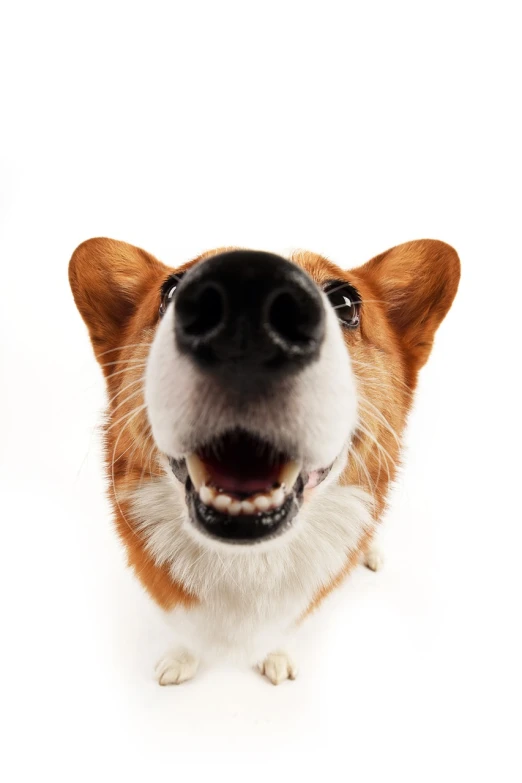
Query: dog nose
{"points": [[247, 313]]}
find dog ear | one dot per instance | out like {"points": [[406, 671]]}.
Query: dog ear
{"points": [[417, 283], [108, 279]]}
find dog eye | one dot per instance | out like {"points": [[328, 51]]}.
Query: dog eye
{"points": [[168, 290], [346, 302]]}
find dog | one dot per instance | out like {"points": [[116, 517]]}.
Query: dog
{"points": [[256, 409]]}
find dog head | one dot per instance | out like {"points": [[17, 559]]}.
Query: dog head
{"points": [[257, 380]]}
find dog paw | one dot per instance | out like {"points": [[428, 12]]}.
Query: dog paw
{"points": [[175, 667], [373, 558], [278, 667]]}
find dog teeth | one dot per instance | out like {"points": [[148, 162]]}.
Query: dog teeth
{"points": [[262, 503], [222, 502], [197, 471], [278, 496], [255, 505], [207, 495], [289, 474]]}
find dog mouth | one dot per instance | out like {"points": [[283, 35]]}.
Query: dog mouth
{"points": [[241, 489]]}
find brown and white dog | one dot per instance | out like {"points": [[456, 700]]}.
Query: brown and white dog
{"points": [[256, 407]]}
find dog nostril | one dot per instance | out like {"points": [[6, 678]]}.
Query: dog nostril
{"points": [[293, 317], [203, 312]]}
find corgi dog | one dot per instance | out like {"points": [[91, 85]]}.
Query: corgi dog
{"points": [[256, 408]]}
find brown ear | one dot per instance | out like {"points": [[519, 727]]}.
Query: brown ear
{"points": [[417, 282], [108, 278]]}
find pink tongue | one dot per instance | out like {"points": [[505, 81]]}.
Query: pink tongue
{"points": [[240, 483]]}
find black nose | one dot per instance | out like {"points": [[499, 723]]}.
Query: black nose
{"points": [[248, 313]]}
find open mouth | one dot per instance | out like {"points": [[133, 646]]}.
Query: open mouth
{"points": [[240, 489]]}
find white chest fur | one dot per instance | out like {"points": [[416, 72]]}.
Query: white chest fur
{"points": [[249, 597]]}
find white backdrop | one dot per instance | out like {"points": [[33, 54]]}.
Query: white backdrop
{"points": [[344, 128]]}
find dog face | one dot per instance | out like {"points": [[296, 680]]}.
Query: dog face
{"points": [[250, 391], [257, 381]]}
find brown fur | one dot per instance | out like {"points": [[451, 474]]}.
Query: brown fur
{"points": [[406, 292]]}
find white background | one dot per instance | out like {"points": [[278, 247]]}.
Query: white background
{"points": [[344, 128]]}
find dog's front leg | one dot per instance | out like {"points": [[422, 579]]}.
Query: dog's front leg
{"points": [[181, 662]]}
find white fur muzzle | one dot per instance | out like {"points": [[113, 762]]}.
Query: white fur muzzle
{"points": [[312, 413]]}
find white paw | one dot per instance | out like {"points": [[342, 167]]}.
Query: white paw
{"points": [[373, 558], [176, 666], [278, 667]]}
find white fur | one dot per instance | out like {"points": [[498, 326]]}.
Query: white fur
{"points": [[249, 597]]}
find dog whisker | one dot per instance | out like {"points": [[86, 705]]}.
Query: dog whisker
{"points": [[148, 459], [125, 452], [381, 449], [148, 438], [389, 382], [124, 388], [125, 348], [374, 410], [128, 362], [125, 370], [130, 397], [134, 413], [126, 416], [370, 484]]}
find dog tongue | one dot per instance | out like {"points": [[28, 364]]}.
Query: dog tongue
{"points": [[241, 464], [245, 479]]}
